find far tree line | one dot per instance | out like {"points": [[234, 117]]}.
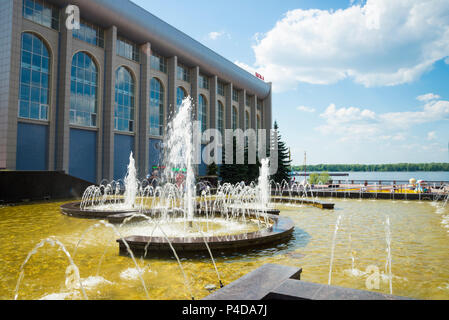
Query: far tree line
{"points": [[398, 167]]}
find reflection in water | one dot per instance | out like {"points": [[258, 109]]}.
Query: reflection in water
{"points": [[416, 235]]}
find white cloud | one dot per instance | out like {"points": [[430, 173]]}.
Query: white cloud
{"points": [[377, 43], [432, 135], [214, 35], [428, 97], [306, 109], [363, 125]]}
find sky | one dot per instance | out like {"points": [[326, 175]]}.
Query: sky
{"points": [[353, 81]]}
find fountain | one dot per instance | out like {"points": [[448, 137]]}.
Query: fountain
{"points": [[171, 217]]}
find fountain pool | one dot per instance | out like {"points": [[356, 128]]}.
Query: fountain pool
{"points": [[419, 243]]}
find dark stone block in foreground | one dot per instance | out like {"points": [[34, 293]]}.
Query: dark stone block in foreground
{"points": [[256, 284], [301, 290], [276, 282]]}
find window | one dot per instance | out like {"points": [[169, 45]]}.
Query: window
{"points": [[235, 95], [158, 63], [124, 100], [203, 82], [202, 112], [258, 123], [156, 108], [34, 78], [221, 88], [182, 73], [248, 101], [127, 49], [180, 95], [246, 126], [220, 117], [42, 13], [259, 105], [83, 91], [234, 118], [89, 33]]}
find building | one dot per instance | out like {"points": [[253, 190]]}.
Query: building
{"points": [[79, 100]]}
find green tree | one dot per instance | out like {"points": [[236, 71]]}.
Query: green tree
{"points": [[324, 178], [283, 159], [212, 169], [313, 178]]}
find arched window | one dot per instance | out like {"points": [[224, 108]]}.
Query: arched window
{"points": [[258, 123], [234, 118], [246, 126], [180, 95], [124, 100], [83, 91], [220, 118], [34, 78], [156, 108], [202, 112]]}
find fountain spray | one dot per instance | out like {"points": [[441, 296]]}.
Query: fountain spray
{"points": [[179, 155], [131, 184]]}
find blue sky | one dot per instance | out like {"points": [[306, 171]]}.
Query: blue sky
{"points": [[354, 81]]}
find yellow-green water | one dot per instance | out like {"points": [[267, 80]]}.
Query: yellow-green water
{"points": [[419, 250]]}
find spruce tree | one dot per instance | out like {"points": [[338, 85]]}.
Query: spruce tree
{"points": [[283, 159]]}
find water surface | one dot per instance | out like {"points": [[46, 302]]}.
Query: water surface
{"points": [[419, 253]]}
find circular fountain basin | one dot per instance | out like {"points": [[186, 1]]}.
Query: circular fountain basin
{"points": [[278, 230], [73, 209]]}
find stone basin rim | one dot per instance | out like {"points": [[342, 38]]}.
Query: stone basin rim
{"points": [[280, 231]]}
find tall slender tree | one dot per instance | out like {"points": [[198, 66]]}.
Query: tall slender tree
{"points": [[283, 159]]}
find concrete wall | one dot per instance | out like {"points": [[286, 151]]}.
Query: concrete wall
{"points": [[6, 32]]}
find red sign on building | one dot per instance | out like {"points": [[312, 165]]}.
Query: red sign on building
{"points": [[260, 76]]}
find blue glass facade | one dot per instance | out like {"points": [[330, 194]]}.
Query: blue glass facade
{"points": [[234, 118], [124, 100], [220, 117], [180, 95], [155, 151], [202, 112], [83, 91], [34, 78], [156, 108], [89, 33]]}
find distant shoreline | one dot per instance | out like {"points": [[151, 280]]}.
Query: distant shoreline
{"points": [[399, 167]]}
